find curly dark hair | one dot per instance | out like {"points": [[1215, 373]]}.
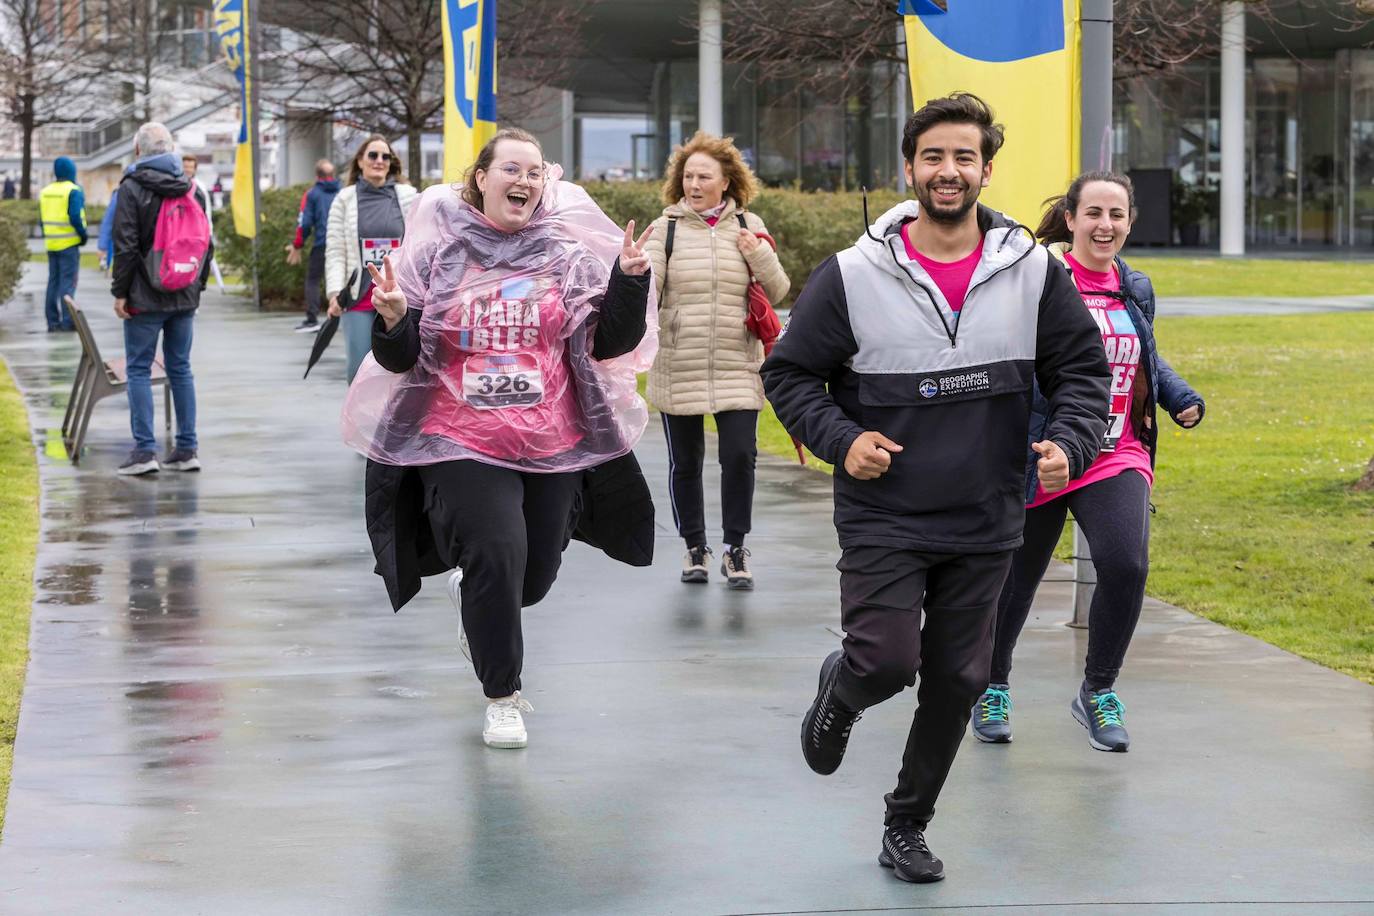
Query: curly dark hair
{"points": [[956, 108]]}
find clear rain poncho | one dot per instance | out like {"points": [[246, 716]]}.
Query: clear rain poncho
{"points": [[505, 374]]}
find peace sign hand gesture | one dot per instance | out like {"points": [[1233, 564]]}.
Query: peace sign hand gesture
{"points": [[387, 298], [633, 261]]}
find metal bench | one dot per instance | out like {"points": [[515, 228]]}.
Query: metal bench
{"points": [[97, 378]]}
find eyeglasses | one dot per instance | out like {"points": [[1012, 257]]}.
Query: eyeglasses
{"points": [[512, 172], [373, 156]]}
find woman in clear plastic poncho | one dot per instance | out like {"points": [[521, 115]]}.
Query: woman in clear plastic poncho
{"points": [[504, 355]]}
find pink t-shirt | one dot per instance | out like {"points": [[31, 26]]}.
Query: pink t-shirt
{"points": [[952, 277], [1122, 449], [508, 391]]}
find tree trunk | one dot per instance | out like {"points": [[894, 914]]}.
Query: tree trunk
{"points": [[1367, 481], [414, 136], [26, 167]]}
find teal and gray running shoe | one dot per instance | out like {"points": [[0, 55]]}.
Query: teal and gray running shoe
{"points": [[1101, 713], [992, 715]]}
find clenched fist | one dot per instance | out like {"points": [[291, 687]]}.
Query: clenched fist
{"points": [[870, 456]]}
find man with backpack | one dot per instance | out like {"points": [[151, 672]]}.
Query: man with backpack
{"points": [[162, 253]]}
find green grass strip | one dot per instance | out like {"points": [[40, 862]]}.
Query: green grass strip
{"points": [[1255, 276], [18, 550]]}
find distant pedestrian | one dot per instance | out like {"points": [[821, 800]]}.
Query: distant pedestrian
{"points": [[10, 191], [1086, 229], [162, 251], [62, 208], [105, 240], [189, 166], [217, 193], [367, 221], [706, 251], [314, 220]]}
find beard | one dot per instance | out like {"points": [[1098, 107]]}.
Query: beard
{"points": [[943, 214]]}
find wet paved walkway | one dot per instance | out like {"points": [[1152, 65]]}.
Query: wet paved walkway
{"points": [[223, 716]]}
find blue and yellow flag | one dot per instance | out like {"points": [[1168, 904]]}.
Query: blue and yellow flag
{"points": [[231, 25], [1021, 58], [469, 82]]}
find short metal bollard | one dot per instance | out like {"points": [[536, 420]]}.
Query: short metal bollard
{"points": [[1084, 579]]}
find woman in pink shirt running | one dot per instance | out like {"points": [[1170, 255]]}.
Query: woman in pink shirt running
{"points": [[1087, 228], [507, 338]]}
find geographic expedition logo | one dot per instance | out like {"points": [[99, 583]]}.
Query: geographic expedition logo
{"points": [[963, 383]]}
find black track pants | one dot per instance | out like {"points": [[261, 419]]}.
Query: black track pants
{"points": [[738, 437], [884, 592], [1114, 515], [506, 530]]}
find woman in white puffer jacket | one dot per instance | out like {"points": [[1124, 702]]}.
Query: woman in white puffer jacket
{"points": [[704, 249]]}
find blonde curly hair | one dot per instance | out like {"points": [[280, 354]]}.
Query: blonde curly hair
{"points": [[741, 184]]}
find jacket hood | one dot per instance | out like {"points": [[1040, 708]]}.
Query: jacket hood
{"points": [[682, 210], [1005, 241], [64, 169], [160, 174], [331, 185]]}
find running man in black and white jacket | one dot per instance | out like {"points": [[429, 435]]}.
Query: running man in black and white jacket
{"points": [[907, 363]]}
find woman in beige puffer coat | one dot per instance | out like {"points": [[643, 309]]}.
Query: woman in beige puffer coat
{"points": [[708, 360]]}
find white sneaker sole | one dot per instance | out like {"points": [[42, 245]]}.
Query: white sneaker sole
{"points": [[510, 744], [138, 470], [192, 465]]}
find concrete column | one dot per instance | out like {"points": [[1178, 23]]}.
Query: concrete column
{"points": [[1096, 128], [1233, 128], [710, 70], [302, 140]]}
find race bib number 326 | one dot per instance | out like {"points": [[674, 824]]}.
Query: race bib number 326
{"points": [[496, 380]]}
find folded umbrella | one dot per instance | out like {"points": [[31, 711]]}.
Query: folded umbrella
{"points": [[331, 325]]}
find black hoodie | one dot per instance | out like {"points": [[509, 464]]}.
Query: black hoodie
{"points": [[141, 193]]}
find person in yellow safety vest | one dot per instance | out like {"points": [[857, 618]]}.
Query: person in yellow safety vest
{"points": [[62, 207]]}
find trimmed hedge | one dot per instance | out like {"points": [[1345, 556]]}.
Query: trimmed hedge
{"points": [[283, 286], [14, 251], [25, 213], [809, 226]]}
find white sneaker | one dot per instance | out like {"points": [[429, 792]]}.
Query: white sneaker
{"points": [[505, 726], [456, 596]]}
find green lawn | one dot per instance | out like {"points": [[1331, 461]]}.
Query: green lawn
{"points": [[1257, 527], [18, 547], [1255, 276]]}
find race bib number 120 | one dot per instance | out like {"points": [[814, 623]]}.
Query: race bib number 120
{"points": [[495, 380]]}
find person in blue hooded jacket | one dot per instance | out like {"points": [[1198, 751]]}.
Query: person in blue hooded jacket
{"points": [[62, 208], [1086, 229]]}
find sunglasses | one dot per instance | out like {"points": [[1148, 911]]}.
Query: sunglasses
{"points": [[373, 156]]}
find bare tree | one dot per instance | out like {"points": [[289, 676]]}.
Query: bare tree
{"points": [[821, 41], [134, 44], [381, 65], [39, 54]]}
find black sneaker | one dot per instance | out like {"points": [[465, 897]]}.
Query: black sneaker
{"points": [[182, 459], [906, 853], [307, 326], [826, 725], [992, 715], [696, 565], [139, 463], [735, 568], [1100, 712]]}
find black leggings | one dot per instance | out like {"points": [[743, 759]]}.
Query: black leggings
{"points": [[738, 440], [1115, 519], [507, 531]]}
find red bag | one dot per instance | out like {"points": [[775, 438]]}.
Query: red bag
{"points": [[763, 322]]}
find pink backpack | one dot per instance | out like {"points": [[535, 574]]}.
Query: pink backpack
{"points": [[180, 242]]}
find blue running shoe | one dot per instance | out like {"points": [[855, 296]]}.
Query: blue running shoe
{"points": [[1101, 712], [992, 715]]}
